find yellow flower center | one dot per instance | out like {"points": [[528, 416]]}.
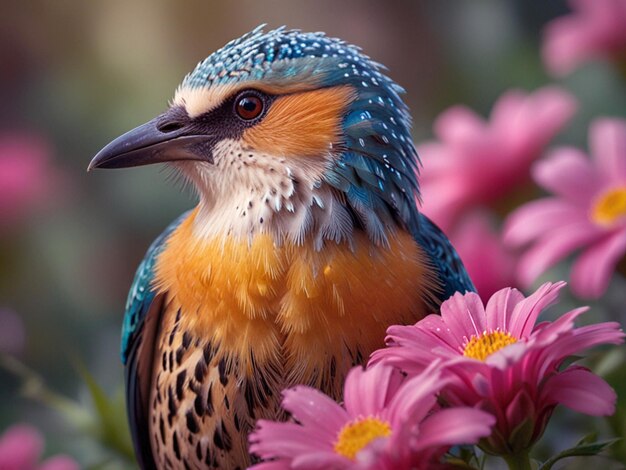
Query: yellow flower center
{"points": [[610, 206], [481, 347], [357, 434]]}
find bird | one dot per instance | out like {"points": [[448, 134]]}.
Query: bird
{"points": [[306, 243]]}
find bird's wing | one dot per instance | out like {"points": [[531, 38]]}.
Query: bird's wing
{"points": [[444, 258], [140, 326]]}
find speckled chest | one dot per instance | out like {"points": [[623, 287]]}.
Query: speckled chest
{"points": [[202, 408], [244, 320]]}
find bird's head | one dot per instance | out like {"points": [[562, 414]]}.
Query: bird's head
{"points": [[289, 133]]}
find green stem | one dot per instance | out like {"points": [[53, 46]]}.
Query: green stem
{"points": [[34, 387], [519, 461]]}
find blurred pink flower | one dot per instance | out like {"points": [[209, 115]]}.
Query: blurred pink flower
{"points": [[21, 447], [588, 211], [26, 178], [596, 28], [475, 162], [504, 363], [490, 264], [385, 423]]}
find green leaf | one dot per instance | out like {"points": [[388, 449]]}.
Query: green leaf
{"points": [[34, 387], [590, 438], [610, 362], [107, 422], [585, 447], [111, 427]]}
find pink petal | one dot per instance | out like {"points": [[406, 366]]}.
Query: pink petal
{"points": [[588, 336], [506, 111], [441, 159], [464, 315], [568, 173], [582, 391], [458, 124], [454, 426], [59, 462], [507, 356], [288, 440], [581, 339], [377, 455], [320, 461], [607, 142], [564, 46], [366, 392], [314, 409], [500, 308], [595, 29], [20, 447], [532, 220], [553, 247], [547, 333], [416, 397], [413, 348], [592, 271], [443, 199], [432, 331], [533, 121], [520, 408], [525, 314]]}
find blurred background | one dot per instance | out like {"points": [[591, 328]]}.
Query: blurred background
{"points": [[74, 75]]}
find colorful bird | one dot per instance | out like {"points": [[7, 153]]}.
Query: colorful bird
{"points": [[306, 243]]}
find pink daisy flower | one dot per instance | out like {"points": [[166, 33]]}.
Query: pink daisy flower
{"points": [[588, 211], [478, 162], [385, 423], [503, 362], [21, 447], [489, 263], [596, 28]]}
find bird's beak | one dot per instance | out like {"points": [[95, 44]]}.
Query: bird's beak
{"points": [[157, 141]]}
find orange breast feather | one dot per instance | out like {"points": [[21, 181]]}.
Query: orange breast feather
{"points": [[293, 301]]}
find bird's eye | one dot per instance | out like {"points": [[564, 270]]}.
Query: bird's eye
{"points": [[248, 106]]}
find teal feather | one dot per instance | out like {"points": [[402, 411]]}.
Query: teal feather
{"points": [[138, 332], [141, 293]]}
